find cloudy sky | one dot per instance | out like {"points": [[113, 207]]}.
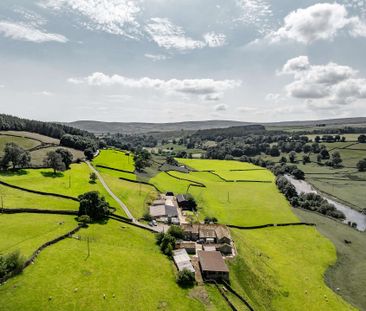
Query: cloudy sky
{"points": [[170, 60]]}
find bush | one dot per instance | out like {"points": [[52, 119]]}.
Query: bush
{"points": [[176, 232], [147, 217], [186, 278], [209, 220], [93, 178], [85, 219], [10, 263], [166, 243]]}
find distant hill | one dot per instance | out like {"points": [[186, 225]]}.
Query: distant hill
{"points": [[99, 127]]}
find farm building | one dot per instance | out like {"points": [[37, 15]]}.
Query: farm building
{"points": [[225, 249], [190, 247], [207, 233], [213, 266], [182, 260], [159, 211], [182, 201]]}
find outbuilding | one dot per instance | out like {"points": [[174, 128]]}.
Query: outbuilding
{"points": [[213, 266]]}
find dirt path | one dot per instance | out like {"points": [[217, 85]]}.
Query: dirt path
{"points": [[120, 203]]}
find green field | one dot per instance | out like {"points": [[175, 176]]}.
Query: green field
{"points": [[34, 136], [72, 182], [26, 232], [115, 159], [276, 268], [348, 275], [124, 264]]}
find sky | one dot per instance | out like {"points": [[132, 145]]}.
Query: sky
{"points": [[170, 60]]}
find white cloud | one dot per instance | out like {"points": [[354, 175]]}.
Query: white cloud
{"points": [[2, 86], [170, 36], [213, 39], [208, 89], [156, 57], [323, 85], [221, 107], [44, 93], [113, 16], [322, 21], [256, 13], [24, 32]]}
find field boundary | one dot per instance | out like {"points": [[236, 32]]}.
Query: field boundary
{"points": [[140, 182], [192, 182], [240, 180], [62, 196], [36, 211], [114, 169], [272, 225], [35, 254]]}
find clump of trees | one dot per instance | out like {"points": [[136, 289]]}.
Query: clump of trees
{"points": [[59, 160], [361, 165], [336, 160], [142, 159], [10, 264], [283, 169], [15, 156], [362, 139], [171, 161], [176, 232], [79, 142], [93, 205], [186, 278], [309, 201], [166, 242]]}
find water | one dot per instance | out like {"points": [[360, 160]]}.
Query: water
{"points": [[351, 214]]}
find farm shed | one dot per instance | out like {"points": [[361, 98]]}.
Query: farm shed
{"points": [[213, 266], [182, 201], [190, 247], [158, 211], [222, 235], [191, 232], [207, 233], [182, 260]]}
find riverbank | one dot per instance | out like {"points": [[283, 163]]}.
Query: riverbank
{"points": [[351, 214]]}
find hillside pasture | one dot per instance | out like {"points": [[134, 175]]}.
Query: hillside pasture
{"points": [[25, 143], [26, 232], [35, 136], [72, 182], [125, 266], [39, 155], [115, 159], [217, 165]]}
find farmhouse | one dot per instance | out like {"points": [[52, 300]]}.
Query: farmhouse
{"points": [[165, 209], [182, 260], [213, 266], [190, 232], [207, 233]]}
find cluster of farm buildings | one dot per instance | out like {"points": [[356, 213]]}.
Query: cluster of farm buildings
{"points": [[203, 248]]}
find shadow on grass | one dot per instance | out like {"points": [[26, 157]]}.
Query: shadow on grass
{"points": [[52, 174], [12, 172]]}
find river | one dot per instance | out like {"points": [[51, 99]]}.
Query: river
{"points": [[351, 214]]}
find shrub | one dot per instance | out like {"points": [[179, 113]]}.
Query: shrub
{"points": [[147, 217], [92, 178], [85, 219], [176, 232], [10, 263], [186, 278], [209, 220]]}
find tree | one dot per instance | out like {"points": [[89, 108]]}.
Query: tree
{"points": [[10, 263], [54, 161], [292, 156], [171, 161], [176, 231], [209, 220], [93, 205], [361, 165], [66, 156], [93, 178], [324, 154], [305, 159], [283, 160], [186, 278], [298, 174], [336, 159], [317, 139], [274, 152], [89, 154], [362, 139], [15, 155]]}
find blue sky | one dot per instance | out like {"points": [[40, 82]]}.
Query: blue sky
{"points": [[166, 60]]}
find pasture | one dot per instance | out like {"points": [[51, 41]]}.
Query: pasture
{"points": [[349, 272], [39, 155], [125, 266], [276, 268], [115, 159], [25, 143]]}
